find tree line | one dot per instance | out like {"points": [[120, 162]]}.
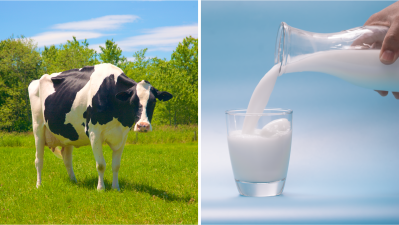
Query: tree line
{"points": [[21, 62]]}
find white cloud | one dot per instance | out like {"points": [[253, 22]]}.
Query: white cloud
{"points": [[110, 22], [156, 39], [58, 37], [82, 29], [159, 39]]}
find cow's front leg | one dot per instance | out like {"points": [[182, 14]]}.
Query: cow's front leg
{"points": [[38, 131], [96, 145], [116, 163], [67, 157]]}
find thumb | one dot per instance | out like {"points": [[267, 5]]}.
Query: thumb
{"points": [[390, 47]]}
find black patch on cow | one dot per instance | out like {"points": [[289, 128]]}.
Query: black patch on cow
{"points": [[151, 106], [83, 124], [105, 105], [87, 122], [58, 104]]}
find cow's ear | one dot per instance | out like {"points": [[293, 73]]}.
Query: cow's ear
{"points": [[57, 80], [161, 95], [164, 96], [124, 95]]}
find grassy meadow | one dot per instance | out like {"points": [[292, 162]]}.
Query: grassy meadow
{"points": [[158, 180]]}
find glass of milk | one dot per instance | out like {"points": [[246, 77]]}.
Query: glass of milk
{"points": [[260, 158]]}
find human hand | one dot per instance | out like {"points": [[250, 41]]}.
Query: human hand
{"points": [[389, 53], [388, 17]]}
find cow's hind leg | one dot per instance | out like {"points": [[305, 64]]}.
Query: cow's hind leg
{"points": [[38, 132], [67, 157], [96, 145]]}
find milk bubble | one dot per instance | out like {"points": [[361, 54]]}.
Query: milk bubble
{"points": [[276, 127]]}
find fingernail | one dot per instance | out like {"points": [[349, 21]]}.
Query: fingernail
{"points": [[387, 56], [382, 93]]}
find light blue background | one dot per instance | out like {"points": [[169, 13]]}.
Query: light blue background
{"points": [[344, 165]]}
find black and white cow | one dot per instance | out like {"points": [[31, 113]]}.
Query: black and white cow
{"points": [[91, 105]]}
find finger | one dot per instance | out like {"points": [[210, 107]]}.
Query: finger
{"points": [[371, 37], [390, 47], [382, 93], [396, 94]]}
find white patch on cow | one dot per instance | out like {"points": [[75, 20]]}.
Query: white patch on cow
{"points": [[34, 96], [75, 116], [112, 133], [53, 140], [101, 72], [143, 92]]}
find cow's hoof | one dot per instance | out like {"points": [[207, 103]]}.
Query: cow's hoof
{"points": [[100, 188], [116, 188], [38, 185]]}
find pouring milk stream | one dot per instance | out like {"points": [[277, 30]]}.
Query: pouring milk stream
{"points": [[352, 55]]}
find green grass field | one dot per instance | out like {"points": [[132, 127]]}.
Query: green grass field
{"points": [[159, 183]]}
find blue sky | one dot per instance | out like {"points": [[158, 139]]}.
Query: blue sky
{"points": [[158, 26]]}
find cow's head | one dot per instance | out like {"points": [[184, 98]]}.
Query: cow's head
{"points": [[142, 96]]}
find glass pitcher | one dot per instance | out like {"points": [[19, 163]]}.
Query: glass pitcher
{"points": [[352, 55]]}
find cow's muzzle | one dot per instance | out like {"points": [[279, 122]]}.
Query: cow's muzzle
{"points": [[143, 127]]}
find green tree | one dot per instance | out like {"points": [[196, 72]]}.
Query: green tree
{"points": [[73, 54], [185, 59], [20, 63], [112, 54], [138, 70]]}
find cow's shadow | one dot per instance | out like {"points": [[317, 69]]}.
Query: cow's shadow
{"points": [[91, 184]]}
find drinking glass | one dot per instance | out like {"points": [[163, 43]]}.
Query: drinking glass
{"points": [[260, 158]]}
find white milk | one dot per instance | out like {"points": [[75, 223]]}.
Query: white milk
{"points": [[360, 67], [260, 97], [262, 156]]}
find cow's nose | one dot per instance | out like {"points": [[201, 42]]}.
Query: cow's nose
{"points": [[143, 126]]}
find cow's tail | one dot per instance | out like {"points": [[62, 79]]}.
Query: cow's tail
{"points": [[57, 152]]}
